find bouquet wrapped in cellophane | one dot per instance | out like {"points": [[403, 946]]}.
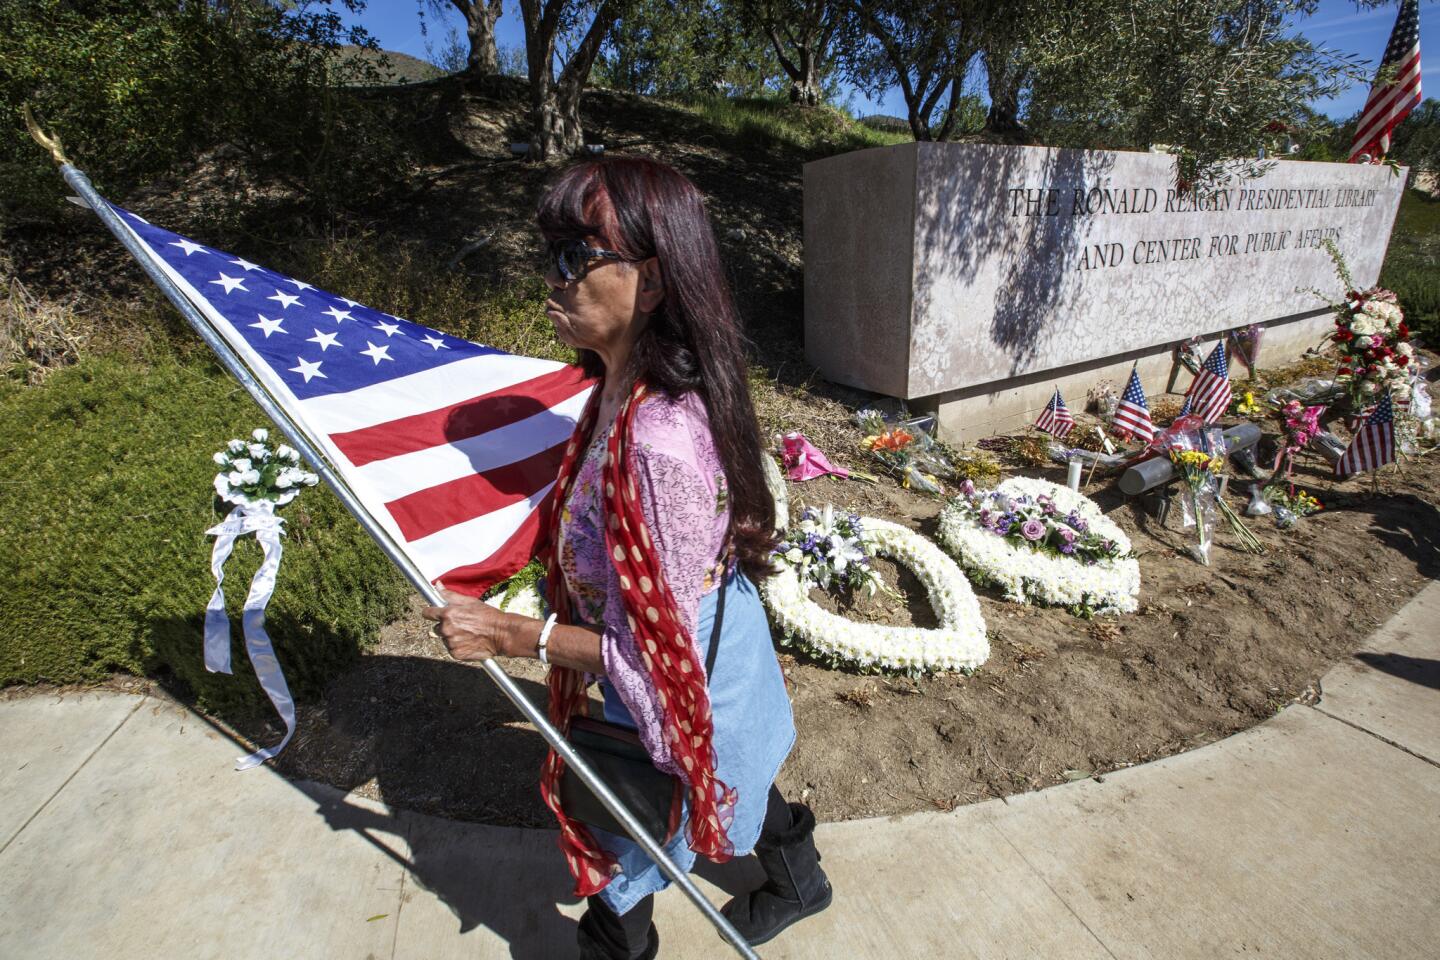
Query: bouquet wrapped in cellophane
{"points": [[906, 448], [1198, 453]]}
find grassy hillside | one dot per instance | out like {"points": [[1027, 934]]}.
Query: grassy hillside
{"points": [[393, 66], [1412, 264]]}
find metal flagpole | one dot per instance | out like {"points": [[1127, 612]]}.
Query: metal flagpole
{"points": [[310, 450]]}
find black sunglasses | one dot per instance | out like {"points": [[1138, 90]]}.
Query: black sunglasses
{"points": [[572, 257]]}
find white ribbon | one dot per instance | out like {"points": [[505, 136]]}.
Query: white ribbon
{"points": [[1419, 397], [257, 518]]}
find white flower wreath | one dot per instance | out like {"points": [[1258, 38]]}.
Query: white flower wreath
{"points": [[1027, 575], [959, 643], [525, 601]]}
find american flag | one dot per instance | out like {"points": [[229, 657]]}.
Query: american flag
{"points": [[1209, 394], [1373, 445], [1132, 416], [1390, 102], [1055, 419], [450, 445]]}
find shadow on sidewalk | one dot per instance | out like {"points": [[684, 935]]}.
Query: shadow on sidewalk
{"points": [[1421, 670], [508, 880], [434, 736], [482, 874]]}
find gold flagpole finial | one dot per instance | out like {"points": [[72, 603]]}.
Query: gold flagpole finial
{"points": [[52, 144]]}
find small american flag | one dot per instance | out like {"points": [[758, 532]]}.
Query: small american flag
{"points": [[1055, 419], [1389, 103], [1209, 394], [451, 446], [1373, 445], [1132, 416]]}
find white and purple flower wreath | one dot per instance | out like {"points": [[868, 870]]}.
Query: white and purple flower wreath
{"points": [[1043, 543]]}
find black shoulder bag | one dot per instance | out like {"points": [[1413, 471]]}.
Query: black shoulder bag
{"points": [[655, 797]]}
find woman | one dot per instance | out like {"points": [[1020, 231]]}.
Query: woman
{"points": [[660, 506]]}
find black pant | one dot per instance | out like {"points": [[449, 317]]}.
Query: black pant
{"points": [[632, 928]]}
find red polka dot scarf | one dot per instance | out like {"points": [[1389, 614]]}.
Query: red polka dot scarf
{"points": [[665, 645]]}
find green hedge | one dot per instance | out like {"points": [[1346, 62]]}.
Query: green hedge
{"points": [[1418, 286], [1412, 264], [105, 496]]}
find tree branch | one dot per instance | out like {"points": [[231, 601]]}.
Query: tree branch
{"points": [[950, 109], [790, 69], [577, 69]]}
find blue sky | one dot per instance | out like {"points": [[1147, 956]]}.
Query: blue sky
{"points": [[1336, 23]]}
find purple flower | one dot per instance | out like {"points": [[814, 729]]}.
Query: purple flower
{"points": [[1032, 529], [968, 488], [1067, 535], [1067, 547]]}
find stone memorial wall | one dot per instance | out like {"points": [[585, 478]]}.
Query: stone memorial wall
{"points": [[970, 279]]}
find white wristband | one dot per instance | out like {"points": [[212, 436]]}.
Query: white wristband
{"points": [[542, 647]]}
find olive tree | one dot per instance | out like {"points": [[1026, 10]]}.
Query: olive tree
{"points": [[480, 16], [925, 47], [1205, 78], [685, 48], [807, 37], [555, 97]]}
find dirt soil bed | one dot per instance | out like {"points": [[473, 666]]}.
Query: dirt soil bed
{"points": [[1210, 652]]}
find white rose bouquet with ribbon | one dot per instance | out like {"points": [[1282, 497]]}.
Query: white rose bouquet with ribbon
{"points": [[251, 472], [256, 478]]}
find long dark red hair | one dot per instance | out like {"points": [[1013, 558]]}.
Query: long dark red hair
{"points": [[641, 208]]}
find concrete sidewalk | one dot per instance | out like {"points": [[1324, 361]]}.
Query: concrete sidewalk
{"points": [[124, 833]]}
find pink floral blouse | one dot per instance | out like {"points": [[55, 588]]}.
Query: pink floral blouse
{"points": [[685, 500]]}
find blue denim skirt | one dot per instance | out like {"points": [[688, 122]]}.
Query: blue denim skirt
{"points": [[754, 731]]}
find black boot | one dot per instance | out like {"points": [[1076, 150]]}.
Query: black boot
{"points": [[602, 935], [795, 886]]}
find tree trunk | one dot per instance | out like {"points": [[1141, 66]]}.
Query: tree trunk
{"points": [[1003, 119], [555, 104], [919, 127], [1005, 77], [480, 17], [805, 82], [947, 126], [803, 70], [555, 113], [805, 93]]}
